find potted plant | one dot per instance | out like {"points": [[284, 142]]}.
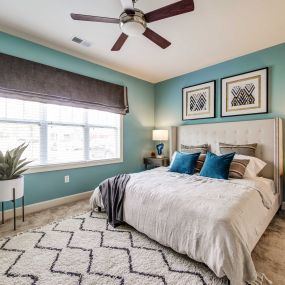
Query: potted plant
{"points": [[11, 169]]}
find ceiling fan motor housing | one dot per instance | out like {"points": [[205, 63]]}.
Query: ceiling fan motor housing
{"points": [[132, 22]]}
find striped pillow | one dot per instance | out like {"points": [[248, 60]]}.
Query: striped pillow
{"points": [[244, 149], [237, 168], [200, 162], [203, 148]]}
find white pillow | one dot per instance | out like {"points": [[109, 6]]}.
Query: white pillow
{"points": [[254, 166], [172, 158]]}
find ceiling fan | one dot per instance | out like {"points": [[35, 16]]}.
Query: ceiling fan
{"points": [[133, 22]]}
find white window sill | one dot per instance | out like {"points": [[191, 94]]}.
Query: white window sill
{"points": [[71, 165]]}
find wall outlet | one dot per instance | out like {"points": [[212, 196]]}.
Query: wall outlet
{"points": [[66, 179]]}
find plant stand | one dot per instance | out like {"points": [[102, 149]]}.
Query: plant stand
{"points": [[14, 208]]}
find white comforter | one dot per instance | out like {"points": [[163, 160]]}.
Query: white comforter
{"points": [[212, 221]]}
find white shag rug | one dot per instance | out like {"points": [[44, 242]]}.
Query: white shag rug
{"points": [[87, 250]]}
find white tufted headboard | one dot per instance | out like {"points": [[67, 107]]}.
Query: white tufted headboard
{"points": [[267, 133]]}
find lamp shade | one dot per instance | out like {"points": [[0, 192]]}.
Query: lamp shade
{"points": [[160, 135]]}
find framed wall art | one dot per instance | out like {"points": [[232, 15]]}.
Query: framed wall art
{"points": [[245, 94], [198, 101]]}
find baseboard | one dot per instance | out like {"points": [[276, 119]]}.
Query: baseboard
{"points": [[283, 206], [32, 208]]}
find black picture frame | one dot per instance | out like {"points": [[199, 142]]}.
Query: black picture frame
{"points": [[240, 74], [214, 100]]}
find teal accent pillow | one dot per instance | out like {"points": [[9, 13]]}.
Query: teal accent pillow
{"points": [[184, 162], [217, 166]]}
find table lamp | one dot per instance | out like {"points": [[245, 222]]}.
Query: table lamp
{"points": [[159, 135]]}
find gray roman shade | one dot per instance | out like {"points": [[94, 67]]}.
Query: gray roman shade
{"points": [[27, 80]]}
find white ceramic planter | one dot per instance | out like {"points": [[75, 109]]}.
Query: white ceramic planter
{"points": [[6, 189]]}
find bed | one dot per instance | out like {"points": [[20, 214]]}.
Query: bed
{"points": [[217, 222]]}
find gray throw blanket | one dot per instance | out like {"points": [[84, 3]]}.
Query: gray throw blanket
{"points": [[112, 191]]}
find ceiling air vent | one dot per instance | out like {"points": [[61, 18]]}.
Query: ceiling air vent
{"points": [[81, 42]]}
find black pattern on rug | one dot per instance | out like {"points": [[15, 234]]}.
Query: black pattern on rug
{"points": [[74, 250]]}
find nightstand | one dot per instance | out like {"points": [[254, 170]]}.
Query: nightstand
{"points": [[155, 162]]}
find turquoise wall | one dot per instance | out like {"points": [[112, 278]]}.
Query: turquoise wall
{"points": [[168, 99], [137, 125]]}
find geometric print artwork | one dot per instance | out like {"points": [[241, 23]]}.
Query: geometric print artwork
{"points": [[87, 250], [245, 93], [243, 96], [199, 101]]}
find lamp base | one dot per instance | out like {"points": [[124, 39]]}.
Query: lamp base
{"points": [[159, 148]]}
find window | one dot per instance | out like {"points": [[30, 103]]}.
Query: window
{"points": [[59, 134]]}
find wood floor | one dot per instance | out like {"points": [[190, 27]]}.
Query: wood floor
{"points": [[268, 256]]}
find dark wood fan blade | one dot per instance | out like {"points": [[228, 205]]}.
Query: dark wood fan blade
{"points": [[90, 18], [156, 38], [119, 43], [171, 10]]}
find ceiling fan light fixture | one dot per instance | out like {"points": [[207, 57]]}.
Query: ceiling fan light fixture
{"points": [[133, 24], [133, 29]]}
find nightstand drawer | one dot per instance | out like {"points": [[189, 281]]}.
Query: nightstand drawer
{"points": [[155, 162]]}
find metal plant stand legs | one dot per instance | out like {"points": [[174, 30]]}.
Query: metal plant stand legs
{"points": [[2, 209], [14, 209], [23, 209]]}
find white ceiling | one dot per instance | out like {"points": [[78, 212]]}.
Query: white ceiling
{"points": [[216, 31]]}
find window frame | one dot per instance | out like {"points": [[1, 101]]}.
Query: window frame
{"points": [[68, 165]]}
